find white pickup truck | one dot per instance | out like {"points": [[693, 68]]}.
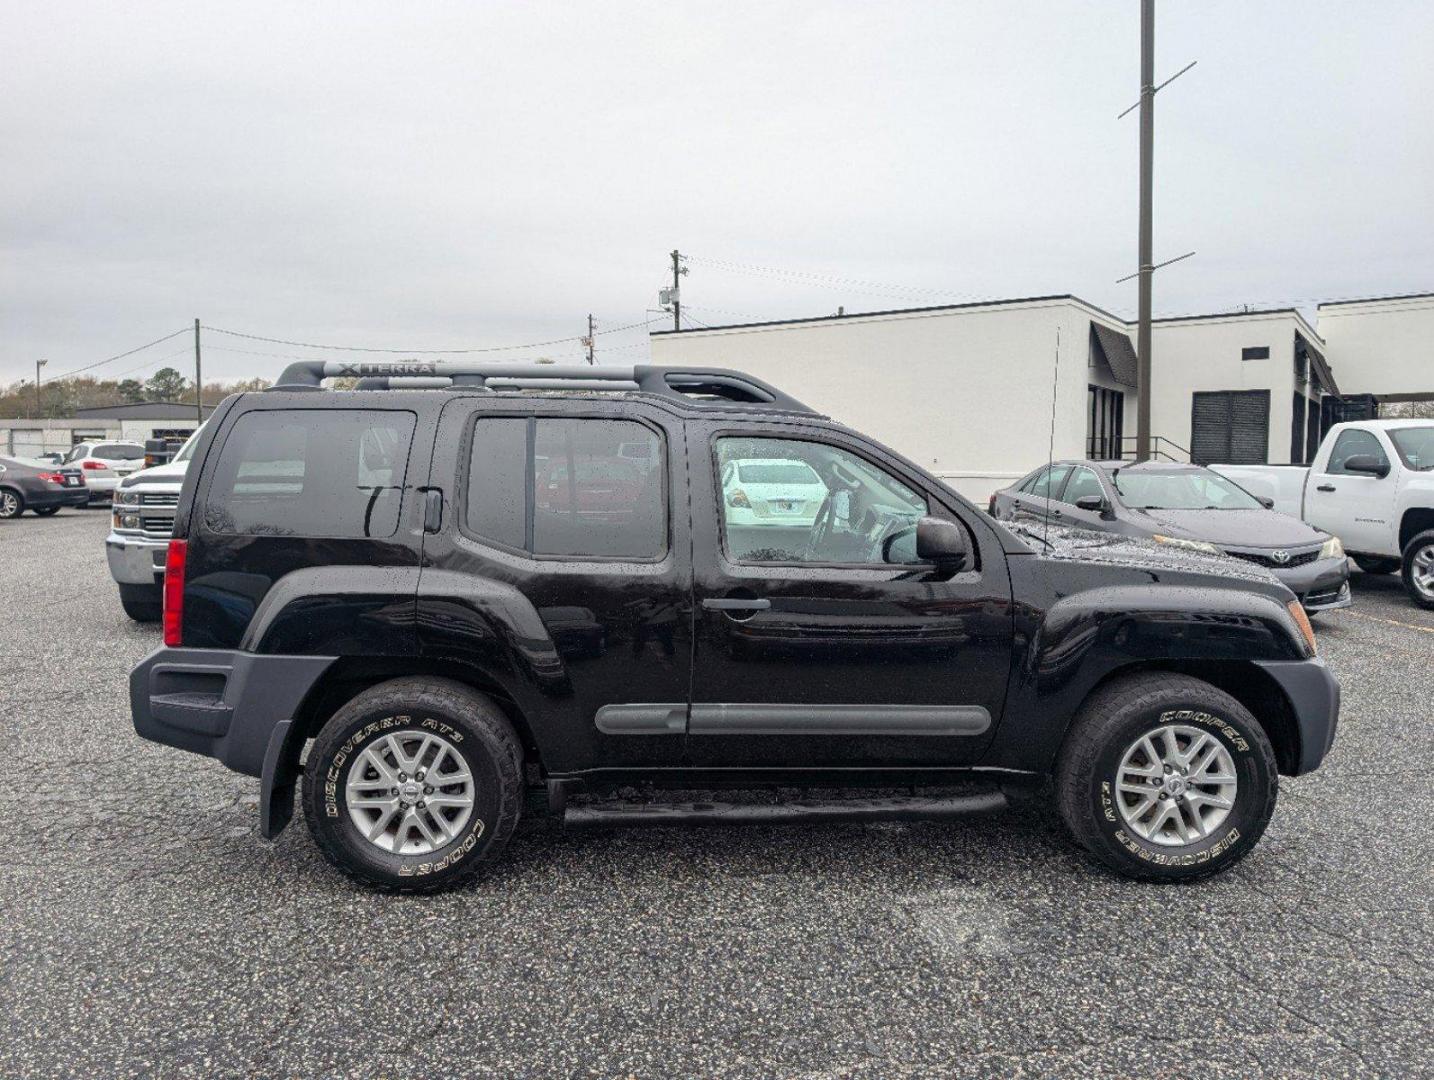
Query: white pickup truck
{"points": [[1372, 485]]}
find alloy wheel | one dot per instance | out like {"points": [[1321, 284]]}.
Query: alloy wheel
{"points": [[1421, 571], [9, 504], [409, 793], [1176, 785]]}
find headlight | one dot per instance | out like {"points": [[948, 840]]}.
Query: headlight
{"points": [[1187, 545], [1332, 549], [129, 521], [127, 498]]}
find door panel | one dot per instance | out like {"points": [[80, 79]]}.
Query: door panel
{"points": [[577, 554], [1356, 507], [803, 663]]}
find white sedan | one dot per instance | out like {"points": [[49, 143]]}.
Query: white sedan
{"points": [[105, 464], [771, 491]]}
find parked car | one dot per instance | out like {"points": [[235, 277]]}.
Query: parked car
{"points": [[30, 484], [141, 522], [1184, 506], [1372, 484], [50, 457], [771, 491], [397, 628], [105, 464]]}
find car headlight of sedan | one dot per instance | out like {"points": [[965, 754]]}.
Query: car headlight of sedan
{"points": [[1332, 549], [1187, 545]]}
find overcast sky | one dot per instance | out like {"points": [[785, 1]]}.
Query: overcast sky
{"points": [[460, 175]]}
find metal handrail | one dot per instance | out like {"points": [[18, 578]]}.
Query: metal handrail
{"points": [[1155, 448]]}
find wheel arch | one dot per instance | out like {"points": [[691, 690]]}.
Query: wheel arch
{"points": [[344, 680], [1247, 683], [1416, 519]]}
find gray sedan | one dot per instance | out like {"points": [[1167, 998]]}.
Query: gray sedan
{"points": [[1185, 506], [38, 486]]}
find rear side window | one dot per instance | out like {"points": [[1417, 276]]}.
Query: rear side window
{"points": [[334, 473], [568, 486], [1047, 483]]}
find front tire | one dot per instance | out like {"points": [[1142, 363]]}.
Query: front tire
{"points": [[46, 511], [1418, 569], [1373, 564], [1164, 777], [142, 603], [414, 784], [12, 503]]}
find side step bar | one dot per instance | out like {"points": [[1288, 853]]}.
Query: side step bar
{"points": [[803, 811]]}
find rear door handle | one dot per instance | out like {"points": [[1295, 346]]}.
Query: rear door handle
{"points": [[1325, 487], [734, 604], [432, 510]]}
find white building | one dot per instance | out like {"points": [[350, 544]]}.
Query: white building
{"points": [[1388, 341], [981, 393], [124, 423]]}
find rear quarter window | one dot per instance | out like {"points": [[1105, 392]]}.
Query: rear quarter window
{"points": [[335, 473]]}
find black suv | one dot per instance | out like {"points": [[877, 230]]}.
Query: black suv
{"points": [[474, 591]]}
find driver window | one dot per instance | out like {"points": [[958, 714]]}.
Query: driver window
{"points": [[789, 500], [1353, 443]]}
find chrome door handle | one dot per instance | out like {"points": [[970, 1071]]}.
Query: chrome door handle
{"points": [[734, 604], [1325, 487]]}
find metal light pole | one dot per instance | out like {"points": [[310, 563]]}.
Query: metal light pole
{"points": [[38, 365], [1147, 155]]}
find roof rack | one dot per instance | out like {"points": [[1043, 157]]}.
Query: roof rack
{"points": [[713, 386]]}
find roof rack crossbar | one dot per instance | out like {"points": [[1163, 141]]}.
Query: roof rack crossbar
{"points": [[690, 385]]}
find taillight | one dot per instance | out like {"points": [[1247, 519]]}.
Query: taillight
{"points": [[174, 593], [88, 464], [739, 498], [53, 477], [991, 506]]}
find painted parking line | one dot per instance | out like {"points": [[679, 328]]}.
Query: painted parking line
{"points": [[1390, 622]]}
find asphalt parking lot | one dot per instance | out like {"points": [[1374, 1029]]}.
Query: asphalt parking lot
{"points": [[147, 931]]}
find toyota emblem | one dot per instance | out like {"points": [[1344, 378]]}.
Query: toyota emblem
{"points": [[1280, 557]]}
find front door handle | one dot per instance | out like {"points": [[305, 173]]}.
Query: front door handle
{"points": [[733, 603], [1325, 487]]}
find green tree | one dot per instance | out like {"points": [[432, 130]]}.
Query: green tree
{"points": [[166, 384], [131, 390]]}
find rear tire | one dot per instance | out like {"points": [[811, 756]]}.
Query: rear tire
{"points": [[414, 733], [12, 503], [1418, 570], [1099, 783], [46, 511], [1374, 564]]}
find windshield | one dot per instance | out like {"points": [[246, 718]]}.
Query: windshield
{"points": [[1415, 446], [1185, 489], [776, 472], [187, 448]]}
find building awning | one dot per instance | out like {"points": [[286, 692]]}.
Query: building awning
{"points": [[1117, 351], [1318, 362]]}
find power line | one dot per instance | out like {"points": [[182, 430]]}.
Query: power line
{"points": [[118, 356], [422, 352]]}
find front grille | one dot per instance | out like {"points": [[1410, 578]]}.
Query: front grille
{"points": [[161, 524], [158, 498], [1263, 559]]}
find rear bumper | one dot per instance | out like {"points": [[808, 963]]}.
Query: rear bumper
{"points": [[236, 707], [1313, 694], [43, 500]]}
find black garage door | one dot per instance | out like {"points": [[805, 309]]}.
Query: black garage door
{"points": [[1230, 426]]}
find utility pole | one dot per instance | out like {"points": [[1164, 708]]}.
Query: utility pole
{"points": [[38, 365], [590, 339], [198, 381], [677, 271], [1147, 155]]}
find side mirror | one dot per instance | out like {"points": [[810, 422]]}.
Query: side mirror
{"points": [[1265, 501], [1093, 504], [943, 543], [1367, 464]]}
